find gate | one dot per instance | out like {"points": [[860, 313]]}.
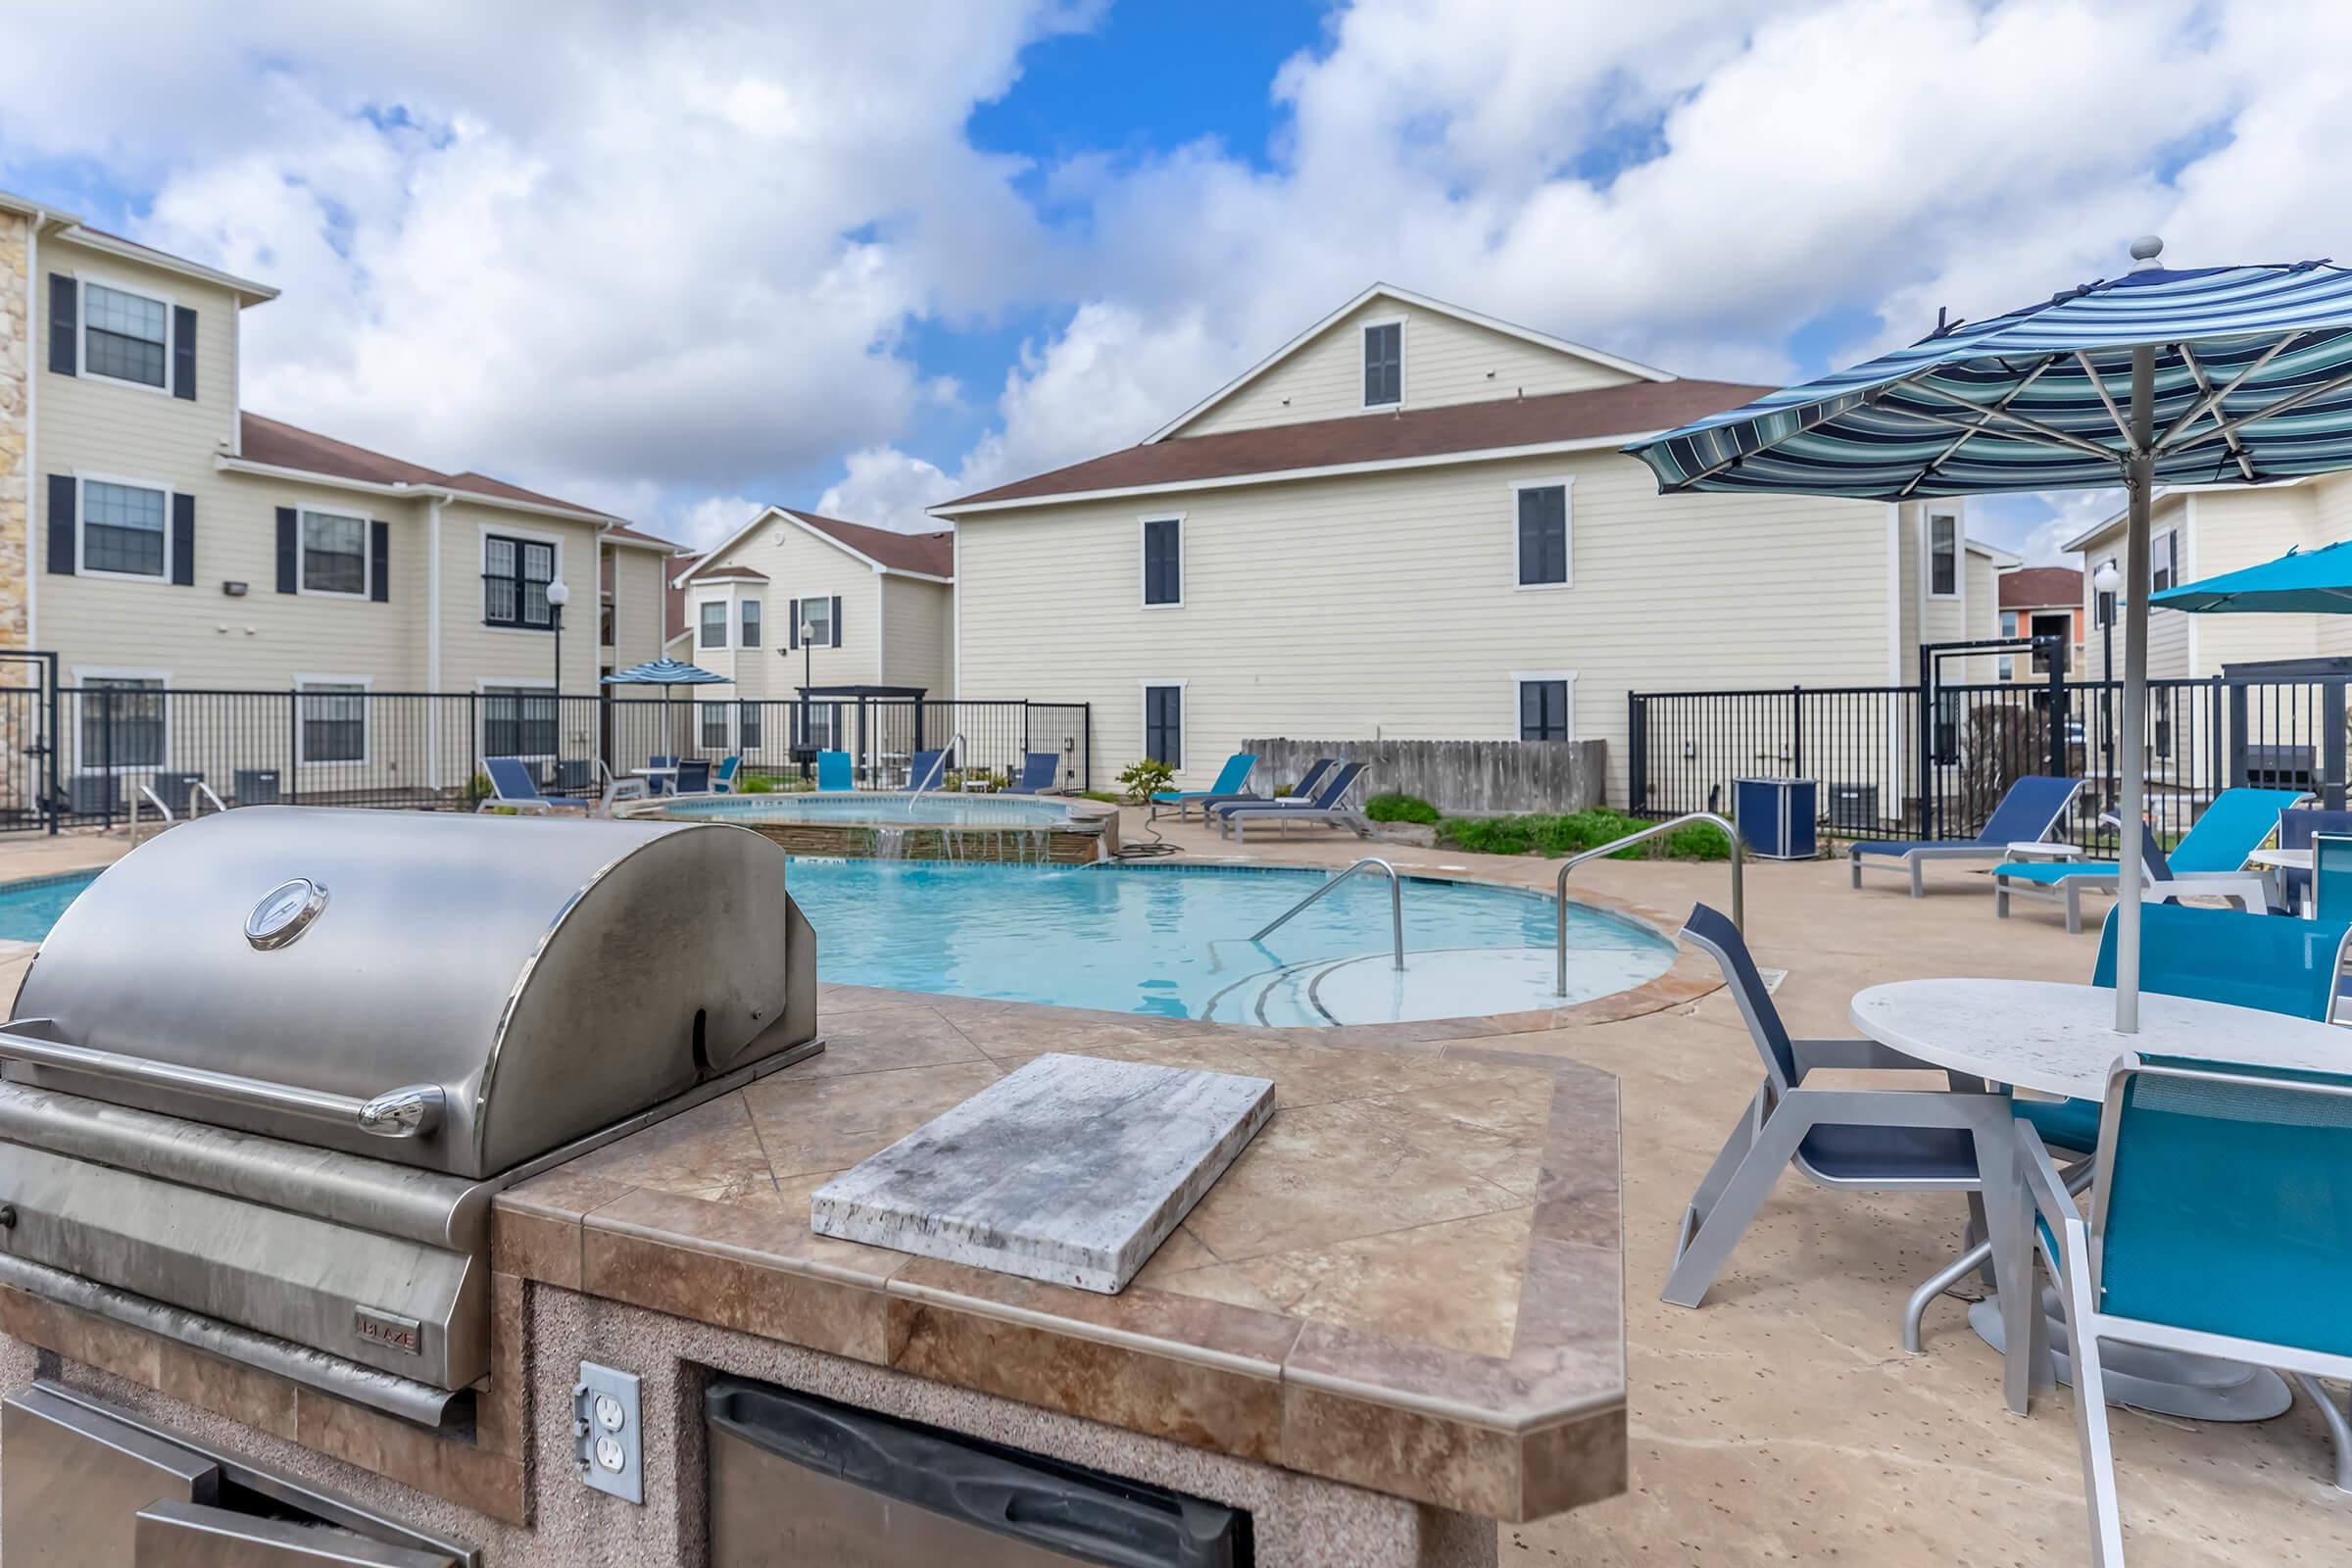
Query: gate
{"points": [[28, 740]]}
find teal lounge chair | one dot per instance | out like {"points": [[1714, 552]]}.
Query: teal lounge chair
{"points": [[1230, 779], [2214, 851], [722, 782], [834, 772]]}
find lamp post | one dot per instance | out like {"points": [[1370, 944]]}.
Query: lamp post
{"points": [[559, 594], [2103, 583], [808, 679]]}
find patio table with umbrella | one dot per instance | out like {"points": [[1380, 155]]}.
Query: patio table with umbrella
{"points": [[665, 673], [2198, 375]]}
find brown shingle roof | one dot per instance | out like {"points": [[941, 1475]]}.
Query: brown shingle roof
{"points": [[639, 536], [931, 554], [2038, 587], [1604, 412], [284, 446], [739, 573]]}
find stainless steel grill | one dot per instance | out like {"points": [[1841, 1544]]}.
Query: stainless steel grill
{"points": [[268, 1070]]}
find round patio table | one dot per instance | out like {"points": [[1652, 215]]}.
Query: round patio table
{"points": [[2060, 1038]]}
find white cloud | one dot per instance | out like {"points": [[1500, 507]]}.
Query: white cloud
{"points": [[659, 258]]}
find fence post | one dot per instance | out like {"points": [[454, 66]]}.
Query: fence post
{"points": [[56, 745], [2213, 743], [1926, 742], [1087, 739], [1796, 731], [293, 773], [2331, 750], [2238, 736], [2058, 755], [1637, 746], [106, 749]]}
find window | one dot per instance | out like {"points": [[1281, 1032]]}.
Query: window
{"points": [[603, 625], [816, 622], [516, 573], [751, 623], [1163, 560], [518, 721], [334, 721], [122, 721], [1944, 555], [1384, 363], [2008, 629], [125, 336], [1542, 534], [1544, 709], [714, 726], [2164, 561], [747, 727], [122, 529], [1163, 725], [335, 554], [713, 633]]}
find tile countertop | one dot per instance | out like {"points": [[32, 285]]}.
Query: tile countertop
{"points": [[1410, 1281]]}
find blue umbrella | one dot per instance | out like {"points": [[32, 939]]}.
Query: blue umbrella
{"points": [[2181, 375], [667, 672], [2309, 582]]}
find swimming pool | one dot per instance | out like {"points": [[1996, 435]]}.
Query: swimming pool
{"points": [[879, 806], [1172, 941], [29, 908]]}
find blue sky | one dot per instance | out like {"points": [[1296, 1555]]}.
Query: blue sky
{"points": [[865, 258]]}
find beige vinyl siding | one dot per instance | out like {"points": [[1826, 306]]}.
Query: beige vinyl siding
{"points": [[1446, 360], [1387, 606], [636, 604], [917, 621]]}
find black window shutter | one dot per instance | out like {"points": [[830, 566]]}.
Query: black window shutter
{"points": [[837, 621], [791, 629], [380, 561], [65, 320], [61, 524], [288, 543], [184, 540], [183, 352]]}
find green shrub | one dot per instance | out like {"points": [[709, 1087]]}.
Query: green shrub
{"points": [[1105, 796], [756, 784], [1555, 836], [1400, 808], [479, 789], [1145, 779]]}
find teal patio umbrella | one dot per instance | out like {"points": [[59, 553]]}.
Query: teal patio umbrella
{"points": [[2308, 582], [2163, 375]]}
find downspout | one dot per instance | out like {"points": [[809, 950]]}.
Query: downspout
{"points": [[881, 643], [432, 633], [35, 359]]}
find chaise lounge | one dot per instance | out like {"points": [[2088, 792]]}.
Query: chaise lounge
{"points": [[2210, 858], [1326, 805], [2028, 811]]}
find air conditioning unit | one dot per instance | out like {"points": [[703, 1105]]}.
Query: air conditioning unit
{"points": [[1853, 808]]}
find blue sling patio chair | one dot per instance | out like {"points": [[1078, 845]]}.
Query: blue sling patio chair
{"points": [[834, 771], [1226, 787], [694, 776], [929, 770], [2217, 1228], [2296, 831], [2029, 809], [1039, 770], [2227, 955], [722, 782], [1328, 805], [513, 787], [2213, 849], [1309, 782], [1863, 1140]]}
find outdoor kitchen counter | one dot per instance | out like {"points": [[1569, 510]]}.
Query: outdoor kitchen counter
{"points": [[1410, 1281]]}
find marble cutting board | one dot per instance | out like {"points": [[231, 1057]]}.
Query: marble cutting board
{"points": [[1071, 1169]]}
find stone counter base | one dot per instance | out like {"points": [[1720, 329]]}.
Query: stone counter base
{"points": [[1297, 1521]]}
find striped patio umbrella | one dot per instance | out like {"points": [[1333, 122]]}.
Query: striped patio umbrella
{"points": [[2201, 375], [667, 672]]}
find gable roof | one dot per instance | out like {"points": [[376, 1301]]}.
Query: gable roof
{"points": [[909, 555], [621, 533], [731, 575], [1457, 432], [2035, 587], [274, 444], [1387, 291], [71, 229]]}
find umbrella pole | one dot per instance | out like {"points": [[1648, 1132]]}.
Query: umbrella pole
{"points": [[2139, 475]]}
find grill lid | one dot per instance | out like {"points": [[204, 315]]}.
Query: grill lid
{"points": [[460, 993]]}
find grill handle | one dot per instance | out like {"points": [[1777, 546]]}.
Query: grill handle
{"points": [[411, 1111]]}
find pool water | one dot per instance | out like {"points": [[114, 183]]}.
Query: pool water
{"points": [[29, 908], [960, 810], [1173, 941]]}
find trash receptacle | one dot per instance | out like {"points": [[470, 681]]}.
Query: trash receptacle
{"points": [[1778, 817]]}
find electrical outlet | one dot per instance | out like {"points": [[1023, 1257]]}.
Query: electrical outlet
{"points": [[607, 1435]]}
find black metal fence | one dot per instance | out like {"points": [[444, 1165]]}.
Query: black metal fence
{"points": [[1888, 770], [83, 754]]}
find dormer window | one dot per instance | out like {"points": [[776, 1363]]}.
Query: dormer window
{"points": [[1384, 363]]}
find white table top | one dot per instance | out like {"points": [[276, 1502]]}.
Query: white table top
{"points": [[2285, 859], [2061, 1038], [654, 772]]}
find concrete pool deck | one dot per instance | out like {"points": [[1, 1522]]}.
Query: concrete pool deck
{"points": [[1781, 1421]]}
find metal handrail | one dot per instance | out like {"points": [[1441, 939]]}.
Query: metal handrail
{"points": [[1395, 904], [198, 787], [939, 769], [147, 792], [1560, 889]]}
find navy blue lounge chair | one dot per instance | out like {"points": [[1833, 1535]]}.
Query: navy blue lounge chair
{"points": [[694, 777], [927, 770], [1039, 770], [2031, 806], [1327, 804], [513, 787]]}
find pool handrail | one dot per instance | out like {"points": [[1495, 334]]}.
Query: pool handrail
{"points": [[1395, 904], [1559, 887], [939, 768]]}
